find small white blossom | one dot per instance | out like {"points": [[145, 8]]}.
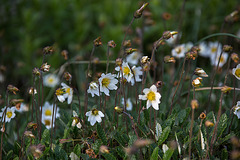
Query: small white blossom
{"points": [[76, 121], [237, 110], [223, 60], [236, 72], [93, 89], [10, 113], [214, 48], [47, 113], [152, 97], [188, 46], [164, 148], [126, 71], [50, 80], [68, 92], [94, 116], [107, 82], [179, 51], [134, 58], [137, 73], [23, 108], [204, 50], [129, 104]]}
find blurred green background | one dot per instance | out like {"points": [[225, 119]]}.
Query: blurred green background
{"points": [[26, 27]]}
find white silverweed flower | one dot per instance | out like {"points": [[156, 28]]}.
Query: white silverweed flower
{"points": [[107, 82], [223, 59], [68, 92], [94, 116], [203, 50], [47, 113], [93, 89], [152, 97]]}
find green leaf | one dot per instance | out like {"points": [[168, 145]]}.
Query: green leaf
{"points": [[154, 155], [101, 134], [45, 136], [120, 152], [146, 115], [108, 156], [168, 154], [119, 139], [9, 154], [77, 150], [222, 124], [60, 153], [224, 154], [181, 116], [164, 135], [225, 138], [158, 131]]}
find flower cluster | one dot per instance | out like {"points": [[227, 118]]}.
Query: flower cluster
{"points": [[47, 115], [64, 93]]}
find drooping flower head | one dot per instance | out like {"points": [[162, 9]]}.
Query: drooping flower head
{"points": [[10, 113], [126, 71], [236, 72], [50, 80], [76, 121], [93, 89], [107, 82], [152, 97], [94, 116]]}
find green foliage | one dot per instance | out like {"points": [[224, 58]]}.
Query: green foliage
{"points": [[168, 154], [45, 137], [101, 134], [60, 153], [164, 135], [222, 124], [154, 155]]}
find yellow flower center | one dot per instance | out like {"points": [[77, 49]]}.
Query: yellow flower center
{"points": [[105, 82], [237, 72], [95, 112], [68, 90], [214, 49], [151, 96], [178, 50], [48, 112], [222, 60], [127, 105], [50, 80], [126, 70], [47, 122], [9, 114], [59, 91]]}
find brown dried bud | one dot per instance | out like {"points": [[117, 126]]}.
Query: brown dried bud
{"points": [[32, 91], [167, 34], [202, 115], [200, 72], [119, 110], [194, 104], [197, 82], [119, 61], [111, 44], [45, 67], [209, 124], [36, 72], [235, 57], [12, 89], [233, 17], [91, 153], [29, 134], [169, 59], [226, 89], [103, 149], [37, 150], [127, 43], [48, 50], [67, 76], [227, 48], [139, 12], [32, 125], [97, 42], [166, 16], [145, 59], [130, 51], [64, 53], [16, 102], [159, 84]]}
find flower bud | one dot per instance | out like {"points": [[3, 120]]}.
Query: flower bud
{"points": [[235, 57], [48, 50], [159, 84], [67, 76], [119, 61], [168, 59], [167, 34], [45, 67], [97, 42], [127, 43], [145, 59], [227, 48], [29, 134], [194, 104], [130, 51], [200, 72], [226, 89], [32, 125], [119, 110], [111, 44], [103, 149], [139, 12], [197, 82], [12, 89], [36, 72], [233, 17], [64, 53], [32, 91], [209, 124], [202, 115]]}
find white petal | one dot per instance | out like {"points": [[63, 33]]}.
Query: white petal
{"points": [[153, 88], [100, 114], [98, 118]]}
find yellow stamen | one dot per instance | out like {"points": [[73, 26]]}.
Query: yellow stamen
{"points": [[126, 70], [9, 114], [237, 72], [50, 80], [151, 96], [95, 112], [59, 91], [213, 49], [68, 90], [47, 122], [105, 82], [48, 112], [178, 50]]}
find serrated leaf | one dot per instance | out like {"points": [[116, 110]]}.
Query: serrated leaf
{"points": [[60, 153], [77, 150], [154, 155], [119, 139], [108, 156], [45, 136], [168, 154], [222, 124], [120, 152], [158, 131], [101, 134], [225, 138], [164, 135]]}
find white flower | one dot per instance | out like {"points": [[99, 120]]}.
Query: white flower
{"points": [[223, 60], [237, 110], [173, 39], [152, 97], [23, 108], [133, 58], [50, 80], [9, 113], [94, 116], [93, 89], [107, 82], [179, 51], [128, 104], [68, 92], [164, 148], [203, 50], [137, 73], [127, 73], [188, 46], [76, 121], [47, 110], [236, 72], [214, 49]]}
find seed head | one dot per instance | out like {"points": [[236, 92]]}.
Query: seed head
{"points": [[12, 89], [168, 59], [111, 44], [36, 72], [139, 12], [227, 48], [48, 50], [202, 115], [119, 61], [129, 51], [200, 72], [64, 53], [97, 42], [235, 57], [67, 76], [45, 67], [194, 104]]}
